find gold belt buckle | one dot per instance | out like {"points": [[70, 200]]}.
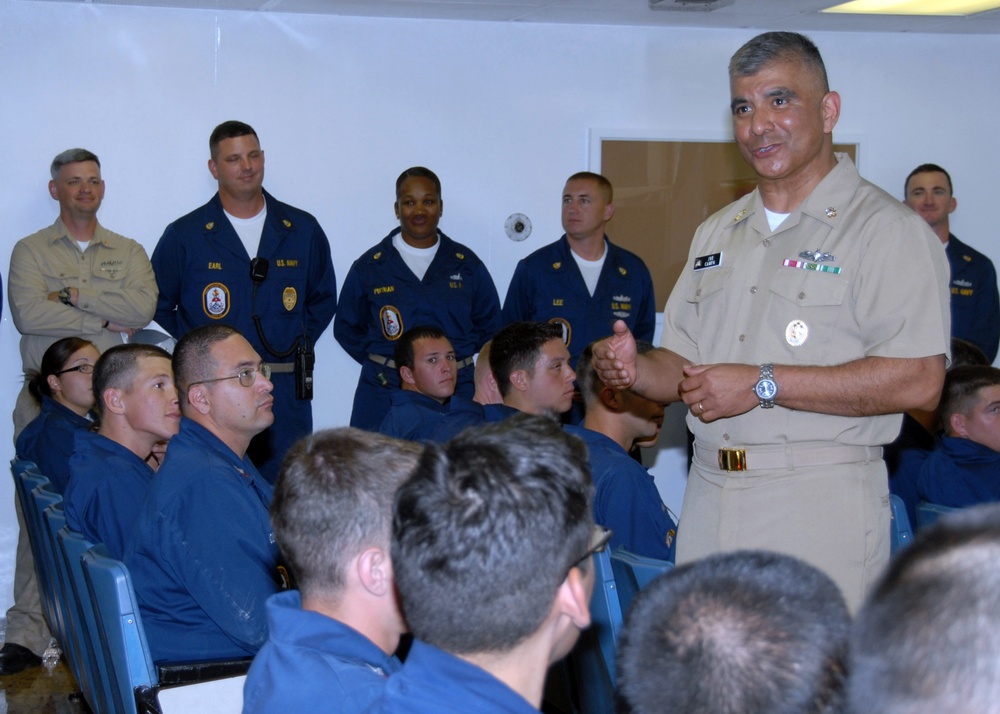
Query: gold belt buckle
{"points": [[733, 459]]}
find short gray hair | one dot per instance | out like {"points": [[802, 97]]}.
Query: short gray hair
{"points": [[71, 156], [770, 47]]}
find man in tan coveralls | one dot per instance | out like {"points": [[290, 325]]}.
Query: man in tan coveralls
{"points": [[812, 312], [74, 278]]}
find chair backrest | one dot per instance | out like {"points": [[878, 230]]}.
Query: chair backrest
{"points": [[901, 533], [73, 545], [123, 641], [928, 513], [593, 658], [633, 572], [26, 479]]}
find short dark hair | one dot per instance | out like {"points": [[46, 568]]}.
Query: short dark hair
{"points": [[962, 386], [192, 360], [926, 639], [518, 346], [333, 499], [403, 354], [116, 369], [926, 169], [752, 632], [607, 190], [587, 381], [418, 172], [54, 360], [964, 353], [71, 156], [228, 130], [486, 530], [769, 47]]}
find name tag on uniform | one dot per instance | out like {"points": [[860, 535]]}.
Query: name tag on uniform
{"points": [[713, 260]]}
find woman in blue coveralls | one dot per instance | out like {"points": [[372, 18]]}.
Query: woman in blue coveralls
{"points": [[415, 276]]}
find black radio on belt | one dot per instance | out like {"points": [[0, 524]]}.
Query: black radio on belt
{"points": [[305, 357]]}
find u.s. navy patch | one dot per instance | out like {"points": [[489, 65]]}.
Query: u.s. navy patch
{"points": [[567, 330], [289, 297], [392, 322], [712, 260], [215, 300]]}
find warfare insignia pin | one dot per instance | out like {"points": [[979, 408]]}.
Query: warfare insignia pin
{"points": [[215, 300]]}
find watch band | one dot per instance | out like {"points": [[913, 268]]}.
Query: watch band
{"points": [[766, 388]]}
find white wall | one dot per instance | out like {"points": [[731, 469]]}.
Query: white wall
{"points": [[500, 111]]}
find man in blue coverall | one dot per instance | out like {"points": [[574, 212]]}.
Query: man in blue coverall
{"points": [[415, 276], [626, 499], [203, 557], [491, 543], [248, 260], [583, 282], [330, 643], [975, 302]]}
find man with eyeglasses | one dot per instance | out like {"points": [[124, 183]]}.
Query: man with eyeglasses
{"points": [[505, 506], [74, 278], [203, 557]]}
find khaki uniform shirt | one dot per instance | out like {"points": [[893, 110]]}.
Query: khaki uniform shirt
{"points": [[113, 275]]}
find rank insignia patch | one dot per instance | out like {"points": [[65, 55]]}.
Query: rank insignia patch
{"points": [[287, 223], [392, 322], [215, 300], [289, 297]]}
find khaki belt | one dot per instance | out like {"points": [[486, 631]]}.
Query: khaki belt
{"points": [[789, 458], [391, 364], [281, 367]]}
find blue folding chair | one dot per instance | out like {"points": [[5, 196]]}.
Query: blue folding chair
{"points": [[593, 659], [901, 534], [136, 680], [928, 513], [633, 572]]}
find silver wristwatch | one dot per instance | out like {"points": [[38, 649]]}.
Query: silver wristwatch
{"points": [[766, 388]]}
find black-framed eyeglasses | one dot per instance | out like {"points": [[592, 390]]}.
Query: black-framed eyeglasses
{"points": [[85, 368], [246, 376], [598, 543]]}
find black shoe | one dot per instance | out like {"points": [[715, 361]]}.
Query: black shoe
{"points": [[15, 658]]}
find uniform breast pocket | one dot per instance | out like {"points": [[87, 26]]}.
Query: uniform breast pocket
{"points": [[707, 293], [809, 309]]}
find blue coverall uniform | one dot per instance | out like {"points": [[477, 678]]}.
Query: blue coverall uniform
{"points": [[975, 303], [382, 297], [203, 275]]}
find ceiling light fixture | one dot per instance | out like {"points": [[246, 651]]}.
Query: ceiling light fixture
{"points": [[915, 7]]}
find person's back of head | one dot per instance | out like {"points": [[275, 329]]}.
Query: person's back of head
{"points": [[486, 532], [748, 632], [332, 516], [926, 639], [965, 353], [967, 403], [487, 389]]}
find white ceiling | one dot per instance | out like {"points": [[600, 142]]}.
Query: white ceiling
{"points": [[798, 15]]}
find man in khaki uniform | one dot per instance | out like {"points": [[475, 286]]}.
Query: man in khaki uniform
{"points": [[813, 311], [74, 278]]}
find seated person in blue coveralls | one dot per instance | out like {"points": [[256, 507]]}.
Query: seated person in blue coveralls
{"points": [[920, 435], [415, 276], [248, 260], [426, 363], [750, 631], [203, 557], [626, 499], [331, 642], [62, 388], [491, 544], [110, 471], [583, 282], [532, 371], [964, 469], [975, 300]]}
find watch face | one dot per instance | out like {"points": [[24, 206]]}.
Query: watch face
{"points": [[766, 389]]}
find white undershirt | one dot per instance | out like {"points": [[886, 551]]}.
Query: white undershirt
{"points": [[775, 219], [249, 230], [590, 269], [418, 260]]}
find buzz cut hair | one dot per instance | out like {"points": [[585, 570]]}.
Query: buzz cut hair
{"points": [[116, 369], [193, 355], [607, 190], [962, 386], [71, 156], [928, 169], [333, 499], [228, 130]]}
